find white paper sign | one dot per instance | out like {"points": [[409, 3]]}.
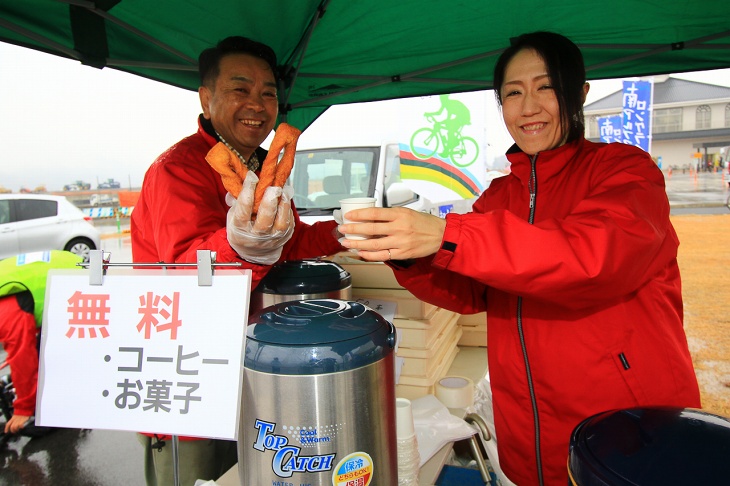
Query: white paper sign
{"points": [[147, 351]]}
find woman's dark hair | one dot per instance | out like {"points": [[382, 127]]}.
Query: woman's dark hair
{"points": [[565, 67], [209, 60]]}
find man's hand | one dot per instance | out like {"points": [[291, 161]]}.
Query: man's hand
{"points": [[16, 423], [260, 240]]}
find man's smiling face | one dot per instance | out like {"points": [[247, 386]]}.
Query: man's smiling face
{"points": [[243, 103]]}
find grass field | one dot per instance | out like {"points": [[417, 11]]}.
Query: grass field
{"points": [[704, 260]]}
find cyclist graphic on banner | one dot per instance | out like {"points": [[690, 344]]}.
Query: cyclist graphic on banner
{"points": [[448, 122], [456, 117]]}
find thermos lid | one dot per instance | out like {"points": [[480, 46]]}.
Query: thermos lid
{"points": [[298, 277], [318, 336], [646, 446]]}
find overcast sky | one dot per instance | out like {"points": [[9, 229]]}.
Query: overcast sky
{"points": [[62, 121]]}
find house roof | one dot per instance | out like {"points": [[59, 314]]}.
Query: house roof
{"points": [[673, 90]]}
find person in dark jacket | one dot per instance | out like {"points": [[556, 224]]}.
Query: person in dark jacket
{"points": [[573, 257]]}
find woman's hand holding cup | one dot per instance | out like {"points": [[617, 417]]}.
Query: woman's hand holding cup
{"points": [[382, 234]]}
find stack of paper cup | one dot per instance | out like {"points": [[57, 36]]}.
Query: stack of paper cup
{"points": [[404, 419], [408, 457]]}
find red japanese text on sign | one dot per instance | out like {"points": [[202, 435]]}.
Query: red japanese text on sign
{"points": [[88, 313], [151, 306]]}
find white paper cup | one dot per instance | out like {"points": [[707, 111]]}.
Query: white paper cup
{"points": [[404, 419], [350, 204]]}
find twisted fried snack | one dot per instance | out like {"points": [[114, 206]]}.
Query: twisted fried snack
{"points": [[233, 172], [229, 166], [273, 173]]}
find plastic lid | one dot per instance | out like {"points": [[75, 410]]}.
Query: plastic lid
{"points": [[316, 336], [651, 446], [299, 277]]}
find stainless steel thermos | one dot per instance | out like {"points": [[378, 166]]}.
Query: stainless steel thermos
{"points": [[299, 280], [318, 404]]}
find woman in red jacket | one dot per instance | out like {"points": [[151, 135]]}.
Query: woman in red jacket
{"points": [[573, 257]]}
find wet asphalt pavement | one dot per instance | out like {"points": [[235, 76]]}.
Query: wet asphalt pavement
{"points": [[73, 457]]}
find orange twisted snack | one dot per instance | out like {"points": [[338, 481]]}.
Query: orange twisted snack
{"points": [[229, 166], [273, 174]]}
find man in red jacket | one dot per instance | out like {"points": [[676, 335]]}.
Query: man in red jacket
{"points": [[182, 208]]}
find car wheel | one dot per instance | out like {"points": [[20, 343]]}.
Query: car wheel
{"points": [[81, 247]]}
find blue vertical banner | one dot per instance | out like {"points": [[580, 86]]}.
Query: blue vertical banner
{"points": [[610, 128], [636, 126]]}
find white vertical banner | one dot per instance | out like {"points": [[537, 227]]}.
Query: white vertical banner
{"points": [[147, 351]]}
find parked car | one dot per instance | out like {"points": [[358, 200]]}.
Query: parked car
{"points": [[39, 222], [109, 184], [77, 186]]}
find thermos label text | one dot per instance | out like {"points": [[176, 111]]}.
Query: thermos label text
{"points": [[287, 459]]}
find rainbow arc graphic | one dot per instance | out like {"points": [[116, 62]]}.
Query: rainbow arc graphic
{"points": [[438, 171]]}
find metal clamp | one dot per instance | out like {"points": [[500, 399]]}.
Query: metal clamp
{"points": [[97, 265], [206, 259]]}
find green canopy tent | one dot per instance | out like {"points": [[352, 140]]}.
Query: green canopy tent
{"points": [[347, 51]]}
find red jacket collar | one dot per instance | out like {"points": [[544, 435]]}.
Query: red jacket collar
{"points": [[549, 162], [205, 128]]}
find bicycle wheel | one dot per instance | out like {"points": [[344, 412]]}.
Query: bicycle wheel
{"points": [[466, 154], [424, 143]]}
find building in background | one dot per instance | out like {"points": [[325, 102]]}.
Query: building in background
{"points": [[690, 122]]}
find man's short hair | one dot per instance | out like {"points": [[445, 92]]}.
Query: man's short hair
{"points": [[209, 59]]}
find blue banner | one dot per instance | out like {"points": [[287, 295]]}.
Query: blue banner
{"points": [[636, 127], [610, 128]]}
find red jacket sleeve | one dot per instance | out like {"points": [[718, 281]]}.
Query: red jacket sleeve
{"points": [[440, 287], [601, 231]]}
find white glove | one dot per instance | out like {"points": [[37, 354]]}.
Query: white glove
{"points": [[262, 240]]}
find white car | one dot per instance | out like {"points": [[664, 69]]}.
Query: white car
{"points": [[38, 222]]}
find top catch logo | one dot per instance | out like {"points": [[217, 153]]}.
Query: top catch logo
{"points": [[287, 459]]}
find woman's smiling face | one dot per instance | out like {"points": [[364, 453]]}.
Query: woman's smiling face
{"points": [[529, 106]]}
